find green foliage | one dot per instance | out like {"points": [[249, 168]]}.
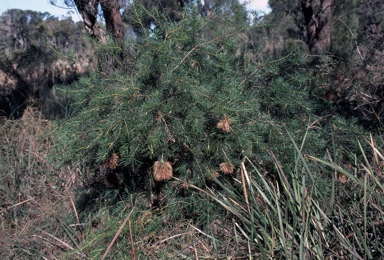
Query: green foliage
{"points": [[292, 220], [169, 103], [186, 98], [345, 29], [287, 95]]}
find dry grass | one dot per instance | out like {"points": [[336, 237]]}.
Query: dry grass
{"points": [[131, 231], [35, 198]]}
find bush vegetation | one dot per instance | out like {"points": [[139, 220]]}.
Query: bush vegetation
{"points": [[196, 148]]}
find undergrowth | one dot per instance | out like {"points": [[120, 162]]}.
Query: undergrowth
{"points": [[190, 151], [252, 214], [37, 219]]}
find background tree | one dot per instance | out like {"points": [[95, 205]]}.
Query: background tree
{"points": [[317, 19], [352, 53], [307, 20], [89, 10], [38, 51]]}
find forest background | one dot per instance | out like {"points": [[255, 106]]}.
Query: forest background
{"points": [[193, 129]]}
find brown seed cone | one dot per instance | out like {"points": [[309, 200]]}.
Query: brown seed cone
{"points": [[226, 168], [225, 124], [162, 171], [112, 162], [342, 177]]}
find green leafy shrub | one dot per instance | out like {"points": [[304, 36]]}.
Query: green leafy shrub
{"points": [[184, 100]]}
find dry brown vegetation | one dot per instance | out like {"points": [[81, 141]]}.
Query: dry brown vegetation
{"points": [[36, 203]]}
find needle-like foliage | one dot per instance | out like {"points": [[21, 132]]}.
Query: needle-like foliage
{"points": [[183, 98]]}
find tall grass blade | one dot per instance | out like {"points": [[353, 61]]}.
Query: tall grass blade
{"points": [[117, 234], [301, 157], [282, 230]]}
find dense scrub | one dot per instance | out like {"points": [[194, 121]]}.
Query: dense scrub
{"points": [[198, 146]]}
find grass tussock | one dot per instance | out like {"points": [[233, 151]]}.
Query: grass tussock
{"points": [[37, 216], [299, 217]]}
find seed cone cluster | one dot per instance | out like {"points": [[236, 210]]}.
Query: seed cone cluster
{"points": [[226, 168], [112, 162], [225, 124], [162, 170]]}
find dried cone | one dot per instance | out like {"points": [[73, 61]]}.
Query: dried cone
{"points": [[225, 124], [162, 171], [185, 185], [112, 162], [342, 177], [159, 116], [226, 168]]}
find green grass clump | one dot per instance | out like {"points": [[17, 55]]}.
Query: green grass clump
{"points": [[292, 219]]}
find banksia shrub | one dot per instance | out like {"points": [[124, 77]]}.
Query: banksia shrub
{"points": [[183, 96]]}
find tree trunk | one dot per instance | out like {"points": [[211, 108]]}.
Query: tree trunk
{"points": [[318, 25], [111, 11], [207, 8], [113, 21], [88, 11]]}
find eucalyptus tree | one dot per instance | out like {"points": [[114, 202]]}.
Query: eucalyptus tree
{"points": [[37, 50], [307, 20], [89, 11]]}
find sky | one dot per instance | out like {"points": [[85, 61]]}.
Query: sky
{"points": [[38, 5], [46, 6], [258, 5]]}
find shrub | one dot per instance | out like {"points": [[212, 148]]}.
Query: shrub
{"points": [[183, 99]]}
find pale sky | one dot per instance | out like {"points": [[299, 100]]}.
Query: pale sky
{"points": [[46, 6], [40, 6], [258, 5]]}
